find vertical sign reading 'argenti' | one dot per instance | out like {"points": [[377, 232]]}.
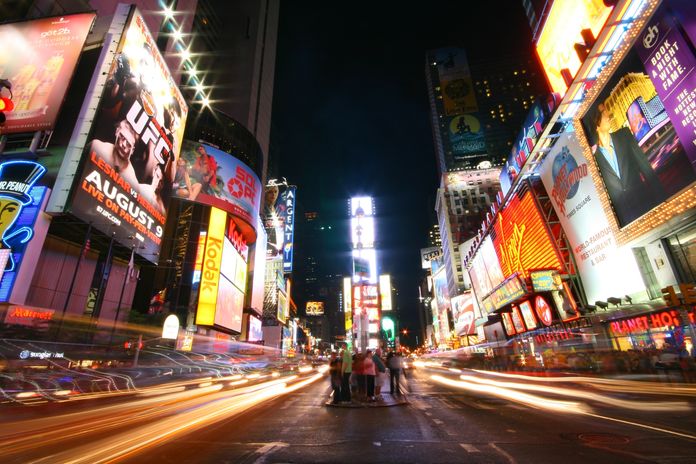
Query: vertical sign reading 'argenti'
{"points": [[129, 160], [210, 271]]}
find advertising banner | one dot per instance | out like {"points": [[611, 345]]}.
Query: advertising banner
{"points": [[669, 60], [130, 157], [521, 240], [385, 292], [485, 271], [605, 269], [20, 204], [429, 254], [207, 175], [208, 288], [279, 220], [315, 308], [442, 298], [348, 303], [255, 333], [283, 307], [38, 59], [634, 143], [466, 135], [464, 314], [561, 31], [458, 94], [527, 139]]}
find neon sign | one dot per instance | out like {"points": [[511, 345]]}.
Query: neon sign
{"points": [[521, 240], [656, 320]]}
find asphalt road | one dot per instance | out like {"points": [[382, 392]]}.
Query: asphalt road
{"points": [[442, 424], [452, 416]]}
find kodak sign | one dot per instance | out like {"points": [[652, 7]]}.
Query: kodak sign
{"points": [[210, 269]]}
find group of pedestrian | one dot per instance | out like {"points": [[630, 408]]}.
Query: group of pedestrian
{"points": [[359, 376]]}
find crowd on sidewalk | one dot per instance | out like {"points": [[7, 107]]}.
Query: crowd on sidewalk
{"points": [[359, 377]]}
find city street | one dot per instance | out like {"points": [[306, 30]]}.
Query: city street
{"points": [[441, 423]]}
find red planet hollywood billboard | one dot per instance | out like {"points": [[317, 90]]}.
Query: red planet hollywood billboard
{"points": [[38, 59], [129, 161]]}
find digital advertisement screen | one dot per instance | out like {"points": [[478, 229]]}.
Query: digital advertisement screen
{"points": [[361, 206], [385, 292], [561, 31], [528, 315], [207, 175], [130, 157], [464, 314], [229, 307], [485, 271], [255, 329], [362, 231], [366, 258], [642, 169], [458, 94], [441, 291], [283, 307], [315, 308], [466, 135], [38, 58]]}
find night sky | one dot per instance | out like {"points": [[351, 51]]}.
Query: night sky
{"points": [[351, 115]]}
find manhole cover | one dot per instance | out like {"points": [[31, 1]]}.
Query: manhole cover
{"points": [[598, 438]]}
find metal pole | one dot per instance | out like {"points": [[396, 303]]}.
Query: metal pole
{"points": [[118, 308], [137, 350], [74, 277]]}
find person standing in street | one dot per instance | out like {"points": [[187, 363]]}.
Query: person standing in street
{"points": [[381, 370], [346, 369], [395, 364], [370, 373], [336, 375]]}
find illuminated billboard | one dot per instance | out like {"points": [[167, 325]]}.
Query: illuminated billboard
{"points": [[385, 292], [210, 268], [533, 125], [464, 314], [20, 204], [255, 332], [362, 231], [348, 303], [129, 160], [429, 254], [38, 58], [466, 135], [561, 31], [205, 174], [458, 94], [521, 240], [365, 261], [635, 145], [605, 269], [283, 307], [279, 220], [485, 272], [314, 308], [361, 206]]}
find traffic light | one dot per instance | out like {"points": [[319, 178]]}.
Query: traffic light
{"points": [[6, 103]]}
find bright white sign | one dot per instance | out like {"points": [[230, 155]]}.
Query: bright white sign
{"points": [[605, 269], [170, 328]]}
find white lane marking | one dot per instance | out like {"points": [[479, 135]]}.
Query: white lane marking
{"points": [[377, 443], [267, 449], [469, 448], [438, 421], [645, 426], [502, 452], [511, 430]]}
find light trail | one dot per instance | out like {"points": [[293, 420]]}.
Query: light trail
{"points": [[513, 395], [574, 393], [141, 423]]}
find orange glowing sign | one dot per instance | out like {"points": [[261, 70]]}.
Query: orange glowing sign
{"points": [[561, 31], [521, 240]]}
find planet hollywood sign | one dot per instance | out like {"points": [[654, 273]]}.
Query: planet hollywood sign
{"points": [[657, 320]]}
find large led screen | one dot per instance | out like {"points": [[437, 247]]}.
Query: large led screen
{"points": [[368, 256], [605, 269], [130, 157], [229, 306], [458, 94], [466, 135], [314, 308], [361, 206], [362, 231], [635, 145], [521, 240], [38, 59], [485, 271], [211, 176], [561, 31], [464, 314]]}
